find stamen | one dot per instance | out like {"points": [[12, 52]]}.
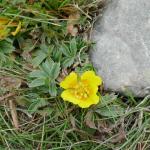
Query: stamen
{"points": [[81, 91]]}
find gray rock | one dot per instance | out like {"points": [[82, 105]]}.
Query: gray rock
{"points": [[122, 51]]}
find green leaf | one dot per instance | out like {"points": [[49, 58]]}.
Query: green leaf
{"points": [[65, 50], [37, 82], [53, 88], [43, 47], [55, 70], [37, 103], [39, 58], [67, 61], [38, 74], [46, 66], [107, 99], [73, 47], [3, 58], [111, 111], [6, 47], [26, 45], [46, 49], [51, 68], [57, 54], [46, 111]]}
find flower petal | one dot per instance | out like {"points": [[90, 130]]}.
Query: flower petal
{"points": [[17, 29], [70, 81], [68, 96], [91, 78], [93, 99], [4, 32], [3, 21], [93, 89]]}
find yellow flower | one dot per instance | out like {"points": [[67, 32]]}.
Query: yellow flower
{"points": [[3, 21], [3, 32], [6, 25], [81, 90], [17, 29]]}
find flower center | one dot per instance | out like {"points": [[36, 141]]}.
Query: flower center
{"points": [[81, 91]]}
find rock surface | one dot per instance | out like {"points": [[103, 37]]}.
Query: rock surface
{"points": [[122, 51]]}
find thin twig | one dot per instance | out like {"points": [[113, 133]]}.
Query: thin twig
{"points": [[14, 114], [6, 96]]}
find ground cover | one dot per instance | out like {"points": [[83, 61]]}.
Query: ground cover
{"points": [[41, 42]]}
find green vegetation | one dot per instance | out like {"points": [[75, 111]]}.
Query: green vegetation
{"points": [[54, 40]]}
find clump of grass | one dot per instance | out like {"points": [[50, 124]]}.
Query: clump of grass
{"points": [[52, 42]]}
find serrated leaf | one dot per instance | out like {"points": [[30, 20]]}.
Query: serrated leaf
{"points": [[38, 74], [55, 69], [46, 66], [65, 50], [6, 47], [57, 55], [26, 45], [53, 88], [67, 61], [45, 111], [39, 58], [37, 82], [46, 48], [2, 58], [43, 47], [111, 111], [51, 68], [40, 102], [107, 99], [73, 47]]}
